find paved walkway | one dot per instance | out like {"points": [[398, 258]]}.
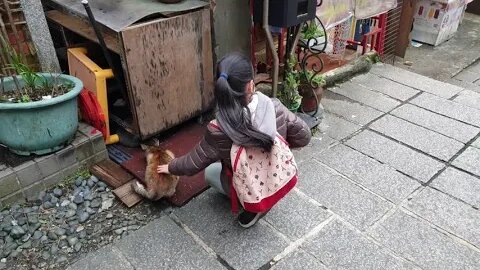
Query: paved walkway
{"points": [[469, 78], [444, 61], [391, 182]]}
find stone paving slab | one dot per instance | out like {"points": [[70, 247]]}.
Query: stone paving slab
{"points": [[386, 86], [336, 127], [339, 247], [404, 159], [418, 137], [294, 216], [469, 98], [209, 217], [340, 195], [475, 67], [465, 85], [441, 124], [476, 143], [317, 145], [377, 177], [108, 258], [469, 160], [419, 242], [448, 213], [350, 110], [448, 108], [416, 81], [162, 244], [363, 95], [299, 260], [460, 185], [467, 76]]}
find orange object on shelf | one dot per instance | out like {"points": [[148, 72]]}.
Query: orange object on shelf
{"points": [[94, 79]]}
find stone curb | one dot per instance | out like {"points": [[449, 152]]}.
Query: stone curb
{"points": [[26, 180]]}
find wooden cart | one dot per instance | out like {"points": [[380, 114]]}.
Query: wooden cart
{"points": [[167, 62]]}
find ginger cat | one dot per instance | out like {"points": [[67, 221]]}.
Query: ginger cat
{"points": [[156, 186]]}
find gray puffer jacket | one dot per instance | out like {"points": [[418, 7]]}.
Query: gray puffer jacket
{"points": [[216, 145]]}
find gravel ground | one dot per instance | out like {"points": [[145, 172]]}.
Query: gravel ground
{"points": [[78, 216]]}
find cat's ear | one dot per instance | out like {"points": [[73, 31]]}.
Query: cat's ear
{"points": [[144, 147], [155, 142]]}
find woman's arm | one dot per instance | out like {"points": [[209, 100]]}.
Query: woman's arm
{"points": [[298, 132], [205, 153]]}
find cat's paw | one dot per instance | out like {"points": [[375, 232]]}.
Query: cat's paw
{"points": [[139, 188]]}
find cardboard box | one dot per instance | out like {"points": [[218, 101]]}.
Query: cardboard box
{"points": [[437, 21]]}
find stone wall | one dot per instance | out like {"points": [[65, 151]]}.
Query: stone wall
{"points": [[25, 181]]}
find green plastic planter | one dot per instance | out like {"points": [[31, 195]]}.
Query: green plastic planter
{"points": [[40, 127]]}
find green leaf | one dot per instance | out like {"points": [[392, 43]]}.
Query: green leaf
{"points": [[312, 31], [25, 99]]}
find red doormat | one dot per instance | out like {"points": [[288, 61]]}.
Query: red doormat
{"points": [[180, 143]]}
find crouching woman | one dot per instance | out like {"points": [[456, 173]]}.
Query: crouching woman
{"points": [[246, 149]]}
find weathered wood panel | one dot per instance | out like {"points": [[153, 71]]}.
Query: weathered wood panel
{"points": [[127, 195], [169, 68], [83, 28], [111, 173]]}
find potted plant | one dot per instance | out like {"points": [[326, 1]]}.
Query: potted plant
{"points": [[288, 93], [312, 36], [311, 89], [38, 111]]}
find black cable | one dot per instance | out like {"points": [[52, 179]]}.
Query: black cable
{"points": [[106, 53]]}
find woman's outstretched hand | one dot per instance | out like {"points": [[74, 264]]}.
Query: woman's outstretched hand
{"points": [[163, 169]]}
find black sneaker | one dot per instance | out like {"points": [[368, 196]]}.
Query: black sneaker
{"points": [[248, 219]]}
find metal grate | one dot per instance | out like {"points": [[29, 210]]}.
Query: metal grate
{"points": [[391, 36]]}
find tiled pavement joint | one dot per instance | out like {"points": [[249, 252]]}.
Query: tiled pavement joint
{"points": [[456, 95], [392, 211], [354, 182], [274, 230], [392, 113], [415, 86], [373, 240], [453, 197], [393, 253], [293, 246], [199, 241], [308, 198], [366, 126], [446, 116], [449, 162], [473, 63], [120, 254], [449, 234], [432, 110], [408, 146]]}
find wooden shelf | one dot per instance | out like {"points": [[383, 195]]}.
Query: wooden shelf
{"points": [[83, 28]]}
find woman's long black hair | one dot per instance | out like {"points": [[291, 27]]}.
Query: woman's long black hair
{"points": [[235, 71]]}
